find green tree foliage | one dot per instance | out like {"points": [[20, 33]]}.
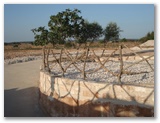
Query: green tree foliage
{"points": [[53, 38], [112, 32], [94, 31], [152, 35], [123, 40], [66, 25], [149, 36], [41, 36], [90, 32]]}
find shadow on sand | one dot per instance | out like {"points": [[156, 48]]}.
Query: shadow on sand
{"points": [[22, 103]]}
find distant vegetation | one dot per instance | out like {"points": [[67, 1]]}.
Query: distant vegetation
{"points": [[18, 43], [68, 26], [111, 32], [70, 45], [149, 36]]}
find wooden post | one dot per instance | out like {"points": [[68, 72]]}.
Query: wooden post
{"points": [[141, 57], [43, 50], [60, 61], [47, 60], [84, 74], [121, 63], [103, 52]]}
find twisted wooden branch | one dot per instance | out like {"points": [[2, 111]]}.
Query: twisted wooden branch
{"points": [[140, 56], [103, 65]]}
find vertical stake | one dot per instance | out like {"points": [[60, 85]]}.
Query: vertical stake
{"points": [[121, 63], [43, 50]]}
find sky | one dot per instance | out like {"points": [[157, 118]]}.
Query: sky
{"points": [[136, 20]]}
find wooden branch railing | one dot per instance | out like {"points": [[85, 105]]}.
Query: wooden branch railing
{"points": [[121, 63], [89, 55]]}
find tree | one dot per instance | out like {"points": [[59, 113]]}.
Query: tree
{"points": [[41, 36], [152, 35], [112, 32], [66, 25], [53, 38], [149, 36], [123, 40], [90, 32], [94, 31]]}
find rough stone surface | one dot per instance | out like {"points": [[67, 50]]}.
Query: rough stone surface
{"points": [[68, 97]]}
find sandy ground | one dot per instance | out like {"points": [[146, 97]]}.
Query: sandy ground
{"points": [[21, 90]]}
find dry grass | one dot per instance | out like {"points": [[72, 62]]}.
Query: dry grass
{"points": [[9, 54], [26, 49], [22, 46], [115, 45]]}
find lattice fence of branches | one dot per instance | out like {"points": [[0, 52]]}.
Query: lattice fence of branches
{"points": [[80, 60]]}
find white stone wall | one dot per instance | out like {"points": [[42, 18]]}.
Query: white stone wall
{"points": [[68, 97], [90, 91]]}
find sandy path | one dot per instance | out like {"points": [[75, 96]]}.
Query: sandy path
{"points": [[21, 90]]}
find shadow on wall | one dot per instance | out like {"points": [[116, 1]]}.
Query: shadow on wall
{"points": [[98, 108], [22, 103], [68, 98]]}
